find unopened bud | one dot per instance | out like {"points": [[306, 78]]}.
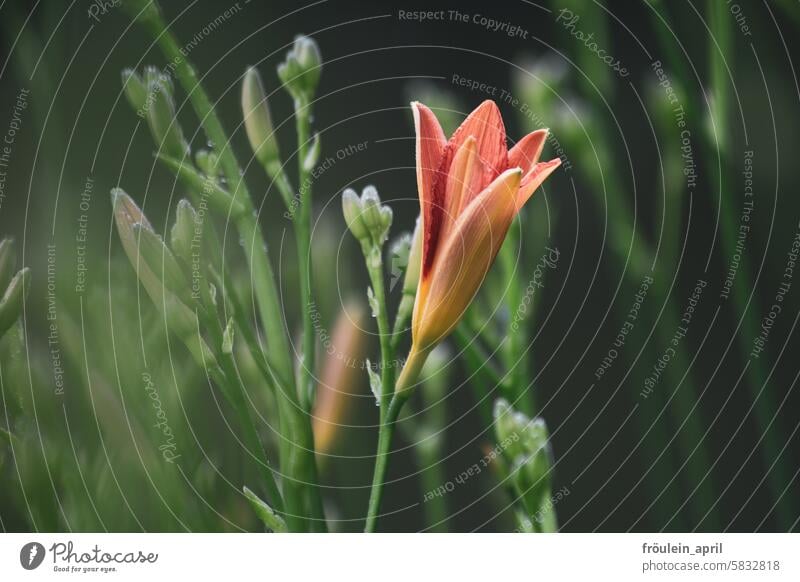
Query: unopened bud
{"points": [[377, 218], [258, 120], [183, 231], [301, 70], [164, 125], [207, 162], [371, 220], [351, 207], [134, 88], [507, 429]]}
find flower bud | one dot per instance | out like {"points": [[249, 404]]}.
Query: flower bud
{"points": [[183, 231], [301, 70], [351, 207], [161, 261], [134, 88], [368, 220], [207, 162], [377, 218], [11, 303], [127, 215], [258, 120], [8, 261], [164, 125], [507, 429]]}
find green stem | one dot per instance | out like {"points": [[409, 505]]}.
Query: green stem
{"points": [[374, 260], [385, 434], [404, 312], [302, 229]]}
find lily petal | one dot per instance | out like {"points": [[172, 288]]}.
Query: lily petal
{"points": [[527, 151], [430, 147], [464, 259], [534, 178], [486, 124], [463, 183]]}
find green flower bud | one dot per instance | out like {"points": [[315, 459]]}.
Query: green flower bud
{"points": [[151, 258], [134, 88], [414, 262], [367, 219], [151, 75], [183, 231], [301, 70], [258, 120], [160, 108], [377, 218], [507, 429], [352, 210], [535, 437], [8, 261], [371, 204], [207, 162], [161, 261], [11, 303], [127, 215]]}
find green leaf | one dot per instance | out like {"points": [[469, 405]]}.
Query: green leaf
{"points": [[375, 383], [227, 338], [312, 155], [265, 513], [374, 304]]}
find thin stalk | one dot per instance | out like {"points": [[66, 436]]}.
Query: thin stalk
{"points": [[302, 230], [385, 435], [374, 260], [411, 370], [404, 312]]}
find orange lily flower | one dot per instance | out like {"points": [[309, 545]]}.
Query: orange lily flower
{"points": [[470, 189]]}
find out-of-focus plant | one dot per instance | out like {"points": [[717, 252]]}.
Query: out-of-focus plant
{"points": [[526, 463], [191, 282]]}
